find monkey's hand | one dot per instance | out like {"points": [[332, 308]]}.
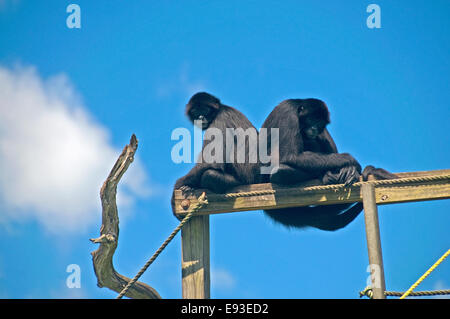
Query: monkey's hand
{"points": [[350, 160], [346, 175], [186, 190], [378, 173]]}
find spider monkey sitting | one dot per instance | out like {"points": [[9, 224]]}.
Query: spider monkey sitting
{"points": [[307, 151], [221, 175]]}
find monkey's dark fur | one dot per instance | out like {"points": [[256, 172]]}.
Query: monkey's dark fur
{"points": [[307, 151], [217, 177]]}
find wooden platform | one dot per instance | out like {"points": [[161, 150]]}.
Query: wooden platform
{"points": [[429, 185], [297, 196]]}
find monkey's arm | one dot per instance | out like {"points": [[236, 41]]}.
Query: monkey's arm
{"points": [[320, 162], [193, 178], [326, 142]]}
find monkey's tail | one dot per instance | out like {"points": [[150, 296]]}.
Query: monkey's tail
{"points": [[329, 217]]}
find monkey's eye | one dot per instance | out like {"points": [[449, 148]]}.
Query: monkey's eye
{"points": [[196, 115]]}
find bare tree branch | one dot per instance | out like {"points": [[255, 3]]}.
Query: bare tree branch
{"points": [[109, 233]]}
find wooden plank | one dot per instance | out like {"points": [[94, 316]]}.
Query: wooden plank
{"points": [[424, 173], [297, 196], [195, 263], [412, 193]]}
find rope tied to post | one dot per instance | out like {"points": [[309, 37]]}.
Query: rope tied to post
{"points": [[369, 293], [201, 201]]}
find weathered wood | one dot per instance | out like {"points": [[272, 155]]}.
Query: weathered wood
{"points": [[102, 258], [195, 258], [424, 173], [296, 196], [373, 241]]}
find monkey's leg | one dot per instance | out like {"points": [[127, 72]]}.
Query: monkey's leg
{"points": [[218, 181], [288, 175]]}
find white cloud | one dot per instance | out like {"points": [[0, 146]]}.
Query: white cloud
{"points": [[53, 156], [222, 279]]}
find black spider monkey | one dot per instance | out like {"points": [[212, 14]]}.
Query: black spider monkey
{"points": [[218, 176], [307, 151]]}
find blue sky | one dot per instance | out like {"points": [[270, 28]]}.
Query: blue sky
{"points": [[71, 98]]}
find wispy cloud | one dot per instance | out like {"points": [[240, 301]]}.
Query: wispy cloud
{"points": [[68, 293], [222, 279], [182, 83], [53, 156], [440, 285]]}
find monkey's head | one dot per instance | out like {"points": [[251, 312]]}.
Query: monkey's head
{"points": [[202, 108], [314, 117]]}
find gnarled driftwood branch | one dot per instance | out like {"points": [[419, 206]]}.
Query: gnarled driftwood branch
{"points": [[109, 233]]}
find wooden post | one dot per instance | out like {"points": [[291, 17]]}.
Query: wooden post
{"points": [[195, 258], [373, 241]]}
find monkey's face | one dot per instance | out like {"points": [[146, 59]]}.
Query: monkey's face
{"points": [[201, 122], [202, 116], [313, 117], [314, 128]]}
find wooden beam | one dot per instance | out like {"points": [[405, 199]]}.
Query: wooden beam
{"points": [[195, 264], [299, 196], [424, 173]]}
